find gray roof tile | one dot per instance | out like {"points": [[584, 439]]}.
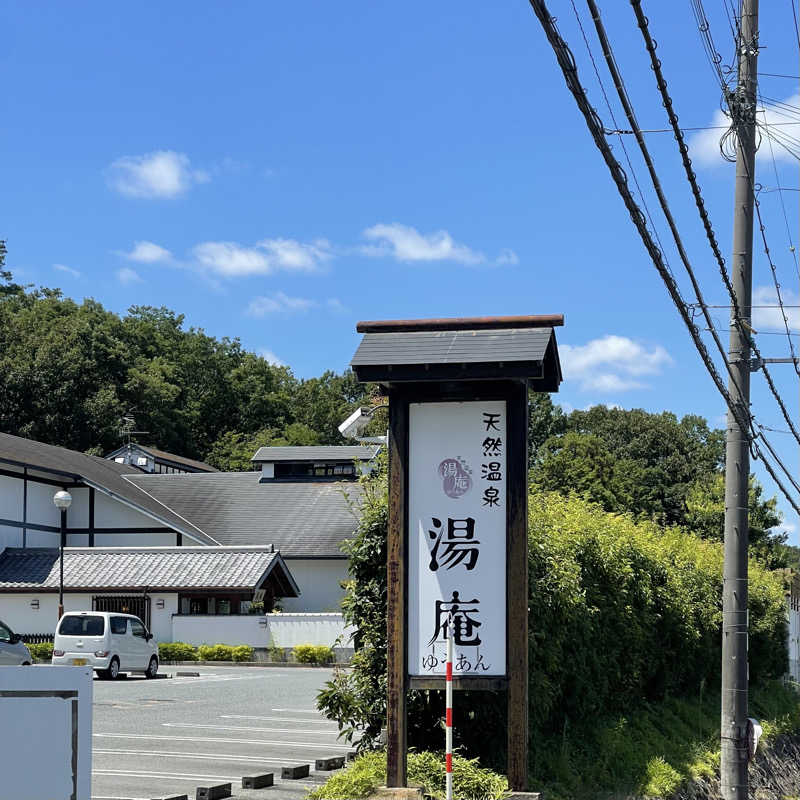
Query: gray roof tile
{"points": [[302, 519], [129, 568]]}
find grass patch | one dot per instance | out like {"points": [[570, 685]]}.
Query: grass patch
{"points": [[364, 775], [653, 750]]}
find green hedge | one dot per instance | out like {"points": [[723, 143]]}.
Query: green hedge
{"points": [[176, 651], [42, 651], [312, 654]]}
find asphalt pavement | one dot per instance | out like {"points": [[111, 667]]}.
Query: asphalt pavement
{"points": [[158, 738]]}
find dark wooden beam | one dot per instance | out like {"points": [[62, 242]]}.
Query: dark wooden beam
{"points": [[396, 715]]}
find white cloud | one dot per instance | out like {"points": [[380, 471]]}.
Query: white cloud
{"points": [[611, 364], [772, 318], [704, 145], [148, 253], [69, 270], [162, 173], [231, 259], [404, 243], [277, 304], [127, 276], [334, 304], [268, 355], [506, 256]]}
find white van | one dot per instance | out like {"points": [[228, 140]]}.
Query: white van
{"points": [[109, 643]]}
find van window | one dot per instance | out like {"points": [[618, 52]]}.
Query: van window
{"points": [[138, 629], [5, 633], [119, 625], [82, 626]]}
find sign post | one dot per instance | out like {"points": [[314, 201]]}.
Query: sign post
{"points": [[457, 545]]}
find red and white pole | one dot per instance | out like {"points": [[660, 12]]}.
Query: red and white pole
{"points": [[448, 721]]}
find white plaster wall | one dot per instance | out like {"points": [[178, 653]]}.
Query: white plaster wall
{"points": [[281, 630], [41, 509], [78, 512], [289, 630], [161, 618], [202, 629], [11, 498], [77, 539], [10, 537], [41, 538], [16, 611], [319, 581], [110, 513]]}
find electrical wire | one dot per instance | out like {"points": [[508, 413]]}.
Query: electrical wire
{"points": [[566, 62]]}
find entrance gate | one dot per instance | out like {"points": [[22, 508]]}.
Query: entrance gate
{"points": [[139, 605]]}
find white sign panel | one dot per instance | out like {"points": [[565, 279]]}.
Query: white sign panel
{"points": [[46, 733], [457, 537]]}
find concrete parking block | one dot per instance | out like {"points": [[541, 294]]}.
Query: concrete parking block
{"points": [[173, 797], [184, 674], [258, 781], [327, 764], [293, 773], [217, 792]]}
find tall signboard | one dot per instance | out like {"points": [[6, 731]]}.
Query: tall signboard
{"points": [[457, 543], [457, 537]]}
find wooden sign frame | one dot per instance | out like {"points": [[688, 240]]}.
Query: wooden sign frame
{"points": [[401, 395]]}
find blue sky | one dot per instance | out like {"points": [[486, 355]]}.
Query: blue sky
{"points": [[278, 171]]}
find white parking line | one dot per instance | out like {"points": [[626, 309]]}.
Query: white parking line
{"points": [[241, 728], [209, 757], [148, 737], [281, 719], [169, 776], [297, 710]]}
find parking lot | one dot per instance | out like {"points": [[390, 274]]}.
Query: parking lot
{"points": [[157, 738]]}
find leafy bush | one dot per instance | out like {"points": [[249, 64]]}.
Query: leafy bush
{"points": [[242, 653], [176, 651], [276, 653], [42, 651], [621, 613], [313, 654], [256, 607], [368, 771], [215, 652]]}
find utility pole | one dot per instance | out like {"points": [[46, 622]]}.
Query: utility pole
{"points": [[742, 102]]}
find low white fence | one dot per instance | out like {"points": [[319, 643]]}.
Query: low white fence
{"points": [[270, 630]]}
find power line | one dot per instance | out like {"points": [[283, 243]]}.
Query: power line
{"points": [[566, 62], [655, 63]]}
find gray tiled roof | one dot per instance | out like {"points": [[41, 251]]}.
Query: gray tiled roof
{"points": [[100, 473], [134, 568], [303, 519], [314, 453], [453, 347]]}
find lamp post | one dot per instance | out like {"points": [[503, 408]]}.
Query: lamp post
{"points": [[62, 500]]}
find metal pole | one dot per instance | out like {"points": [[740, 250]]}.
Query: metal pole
{"points": [[733, 767], [61, 539], [448, 721]]}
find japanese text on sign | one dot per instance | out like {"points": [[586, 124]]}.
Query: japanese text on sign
{"points": [[457, 537]]}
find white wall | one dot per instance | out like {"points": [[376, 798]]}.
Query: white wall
{"points": [[10, 537], [162, 539], [11, 491], [319, 581], [16, 612], [281, 630], [110, 513]]}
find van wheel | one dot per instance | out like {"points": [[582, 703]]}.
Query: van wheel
{"points": [[152, 668], [112, 673]]}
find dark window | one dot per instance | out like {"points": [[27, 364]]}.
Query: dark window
{"points": [[82, 626], [292, 470], [138, 629], [5, 634], [119, 625]]}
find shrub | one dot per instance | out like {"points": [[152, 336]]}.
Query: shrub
{"points": [[304, 653], [242, 653], [256, 607], [313, 654], [176, 651], [42, 651], [276, 653], [215, 652], [368, 771]]}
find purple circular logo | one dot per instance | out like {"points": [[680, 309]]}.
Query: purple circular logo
{"points": [[456, 477]]}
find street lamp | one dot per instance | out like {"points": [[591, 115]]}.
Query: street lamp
{"points": [[62, 500]]}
